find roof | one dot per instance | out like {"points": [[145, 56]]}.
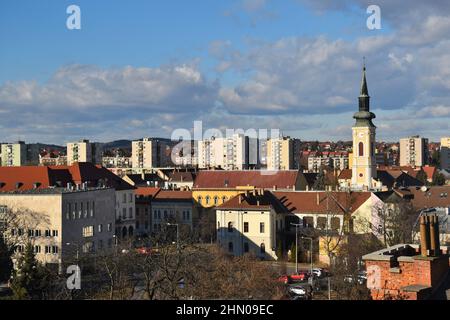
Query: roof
{"points": [[140, 180], [180, 176], [433, 197], [146, 191], [211, 179], [316, 201], [430, 171], [172, 195], [310, 178], [254, 200], [41, 177], [345, 174]]}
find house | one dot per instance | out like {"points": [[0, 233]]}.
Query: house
{"points": [[251, 223]]}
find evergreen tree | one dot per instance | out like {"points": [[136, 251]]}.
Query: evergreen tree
{"points": [[26, 279], [319, 184], [438, 179], [6, 264], [422, 177]]}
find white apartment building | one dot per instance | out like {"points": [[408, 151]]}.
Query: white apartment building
{"points": [[413, 151], [237, 152], [59, 222], [282, 153], [19, 154], [445, 153], [151, 153], [84, 151], [336, 160]]}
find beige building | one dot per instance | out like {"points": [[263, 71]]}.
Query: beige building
{"points": [[59, 221], [249, 224], [174, 207], [280, 154], [445, 153], [19, 154], [151, 153], [84, 151], [413, 151], [364, 168]]}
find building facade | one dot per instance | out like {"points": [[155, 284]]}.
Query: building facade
{"points": [[281, 153], [413, 151], [19, 154], [84, 151], [364, 168], [445, 153], [151, 153]]}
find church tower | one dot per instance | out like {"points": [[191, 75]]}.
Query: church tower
{"points": [[364, 168]]}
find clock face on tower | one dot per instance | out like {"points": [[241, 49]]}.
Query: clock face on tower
{"points": [[361, 134]]}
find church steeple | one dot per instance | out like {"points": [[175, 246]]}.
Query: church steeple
{"points": [[364, 116]]}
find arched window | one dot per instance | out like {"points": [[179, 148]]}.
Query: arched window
{"points": [[230, 226], [124, 232], [361, 149], [199, 200], [130, 231], [263, 248], [224, 199], [216, 200], [207, 198]]}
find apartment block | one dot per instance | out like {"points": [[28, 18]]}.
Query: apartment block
{"points": [[19, 154], [151, 153], [282, 153], [59, 222], [335, 160], [445, 153], [413, 151], [84, 151], [237, 152]]}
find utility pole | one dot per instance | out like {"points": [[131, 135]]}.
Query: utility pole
{"points": [[296, 245]]}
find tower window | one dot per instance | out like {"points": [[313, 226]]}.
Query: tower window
{"points": [[361, 149]]}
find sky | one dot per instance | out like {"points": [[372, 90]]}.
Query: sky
{"points": [[146, 68]]}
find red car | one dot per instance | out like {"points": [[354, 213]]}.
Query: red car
{"points": [[286, 279]]}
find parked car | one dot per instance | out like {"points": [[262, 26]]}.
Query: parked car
{"points": [[319, 272], [360, 278], [287, 279], [303, 292]]}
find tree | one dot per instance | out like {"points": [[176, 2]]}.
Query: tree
{"points": [[6, 265], [319, 184], [438, 179], [27, 278], [422, 177]]}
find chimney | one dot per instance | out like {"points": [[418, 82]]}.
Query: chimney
{"points": [[423, 236], [318, 198], [434, 235], [274, 188]]}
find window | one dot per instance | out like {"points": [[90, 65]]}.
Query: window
{"points": [[230, 226], [130, 197], [245, 227], [188, 215], [124, 200], [37, 249], [261, 227], [246, 247], [130, 213], [216, 200], [146, 225], [88, 231], [54, 233], [137, 224], [230, 247], [54, 249], [165, 214], [361, 149], [109, 227], [47, 249], [124, 213], [224, 199], [199, 200], [86, 212], [100, 228], [93, 209], [155, 214], [207, 199], [47, 233]]}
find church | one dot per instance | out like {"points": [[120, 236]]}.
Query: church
{"points": [[364, 167]]}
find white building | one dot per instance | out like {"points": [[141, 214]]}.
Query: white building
{"points": [[151, 153], [19, 154], [237, 152], [84, 151], [413, 151]]}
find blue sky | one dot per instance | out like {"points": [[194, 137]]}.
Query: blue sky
{"points": [[154, 66]]}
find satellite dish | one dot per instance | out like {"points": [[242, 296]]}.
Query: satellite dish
{"points": [[424, 189]]}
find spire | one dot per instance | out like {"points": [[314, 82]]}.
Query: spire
{"points": [[364, 92]]}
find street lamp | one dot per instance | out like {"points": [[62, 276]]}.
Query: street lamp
{"points": [[296, 245], [176, 225], [311, 254]]}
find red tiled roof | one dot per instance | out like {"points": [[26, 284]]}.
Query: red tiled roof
{"points": [[345, 174], [433, 197], [146, 191], [256, 178], [48, 176], [173, 195], [430, 171], [316, 202], [257, 201]]}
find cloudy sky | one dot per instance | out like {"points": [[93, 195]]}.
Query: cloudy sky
{"points": [[144, 68]]}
